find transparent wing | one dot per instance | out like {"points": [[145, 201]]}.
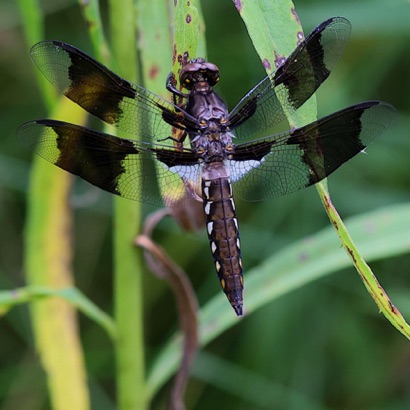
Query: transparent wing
{"points": [[105, 95], [293, 82], [284, 163], [120, 166]]}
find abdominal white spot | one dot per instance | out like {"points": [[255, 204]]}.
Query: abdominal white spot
{"points": [[213, 247], [207, 208], [236, 223], [206, 192]]}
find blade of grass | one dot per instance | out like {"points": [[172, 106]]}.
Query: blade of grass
{"points": [[127, 215], [11, 298], [251, 388], [48, 263], [127, 224], [92, 17], [155, 44], [48, 258], [33, 24], [373, 286], [186, 28]]}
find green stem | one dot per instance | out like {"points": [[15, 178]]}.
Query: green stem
{"points": [[48, 254], [128, 259]]}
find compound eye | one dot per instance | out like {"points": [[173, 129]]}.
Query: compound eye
{"points": [[187, 83], [212, 77]]}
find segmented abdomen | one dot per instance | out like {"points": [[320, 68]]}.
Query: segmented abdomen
{"points": [[223, 233]]}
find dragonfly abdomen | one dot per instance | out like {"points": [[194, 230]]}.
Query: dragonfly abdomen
{"points": [[223, 234]]}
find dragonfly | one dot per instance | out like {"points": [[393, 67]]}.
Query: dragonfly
{"points": [[214, 156]]}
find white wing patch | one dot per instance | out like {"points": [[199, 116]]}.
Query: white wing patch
{"points": [[238, 169]]}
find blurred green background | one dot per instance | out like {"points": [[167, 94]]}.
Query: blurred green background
{"points": [[322, 346]]}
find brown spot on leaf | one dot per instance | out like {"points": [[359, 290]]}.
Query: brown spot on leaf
{"points": [[188, 18], [351, 253], [90, 24], [393, 308], [185, 58], [303, 257], [295, 15], [266, 64], [279, 60], [174, 54], [153, 72], [238, 5]]}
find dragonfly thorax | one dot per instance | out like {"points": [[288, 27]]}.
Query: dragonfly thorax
{"points": [[213, 147], [209, 109]]}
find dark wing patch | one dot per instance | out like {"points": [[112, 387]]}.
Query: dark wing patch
{"points": [[131, 169], [294, 82], [286, 162], [312, 61], [107, 96]]}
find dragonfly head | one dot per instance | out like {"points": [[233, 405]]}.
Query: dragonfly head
{"points": [[198, 71]]}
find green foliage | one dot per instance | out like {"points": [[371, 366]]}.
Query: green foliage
{"points": [[324, 345]]}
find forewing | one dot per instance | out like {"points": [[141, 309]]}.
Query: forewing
{"points": [[294, 81], [284, 163], [120, 166], [105, 95]]}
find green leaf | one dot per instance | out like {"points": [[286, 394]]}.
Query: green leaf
{"points": [[155, 44], [128, 264], [275, 30], [11, 298], [186, 33]]}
